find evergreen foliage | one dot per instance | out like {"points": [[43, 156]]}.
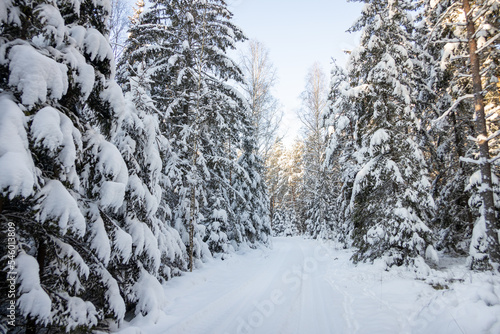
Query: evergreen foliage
{"points": [[59, 102], [390, 202], [104, 188], [116, 185]]}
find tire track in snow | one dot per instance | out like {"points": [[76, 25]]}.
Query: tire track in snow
{"points": [[316, 307], [233, 306], [318, 293]]}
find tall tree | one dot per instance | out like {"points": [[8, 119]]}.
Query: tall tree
{"points": [[446, 142], [260, 78], [391, 200], [339, 162], [315, 178], [475, 27], [478, 23], [251, 197], [203, 114]]}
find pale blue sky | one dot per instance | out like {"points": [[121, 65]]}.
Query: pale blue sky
{"points": [[297, 34]]}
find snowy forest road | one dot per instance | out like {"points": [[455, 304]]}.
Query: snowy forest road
{"points": [[297, 286]]}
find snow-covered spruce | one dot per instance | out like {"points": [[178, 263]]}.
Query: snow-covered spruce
{"points": [[339, 162], [250, 198], [157, 250], [182, 45], [391, 200], [62, 180]]}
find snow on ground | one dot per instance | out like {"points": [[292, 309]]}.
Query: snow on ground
{"points": [[304, 286]]}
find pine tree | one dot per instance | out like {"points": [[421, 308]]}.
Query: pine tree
{"points": [[391, 201]]}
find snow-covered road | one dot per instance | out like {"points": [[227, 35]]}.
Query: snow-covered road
{"points": [[303, 286]]}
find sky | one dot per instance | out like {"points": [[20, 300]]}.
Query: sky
{"points": [[297, 34]]}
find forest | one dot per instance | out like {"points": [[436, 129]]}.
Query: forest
{"points": [[130, 156]]}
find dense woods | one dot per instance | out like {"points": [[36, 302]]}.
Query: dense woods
{"points": [[410, 162], [125, 162]]}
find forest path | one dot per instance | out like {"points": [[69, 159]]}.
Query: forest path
{"points": [[297, 286]]}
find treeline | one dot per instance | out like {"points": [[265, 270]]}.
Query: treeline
{"points": [[117, 178], [405, 162]]}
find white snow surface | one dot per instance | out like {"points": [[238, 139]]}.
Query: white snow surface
{"points": [[57, 203], [17, 170], [305, 286], [36, 75], [33, 300], [55, 131]]}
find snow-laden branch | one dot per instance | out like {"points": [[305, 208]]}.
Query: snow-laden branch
{"points": [[493, 136], [230, 187], [481, 139], [480, 161], [471, 138], [457, 102], [451, 40], [471, 161], [493, 112], [441, 18], [491, 40], [492, 160]]}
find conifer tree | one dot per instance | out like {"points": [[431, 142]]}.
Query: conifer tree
{"points": [[446, 142], [184, 44], [391, 200], [340, 164], [59, 106], [252, 200], [474, 26], [157, 251]]}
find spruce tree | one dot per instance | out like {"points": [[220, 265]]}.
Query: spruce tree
{"points": [[59, 107], [340, 164], [391, 200], [251, 197], [157, 250], [184, 44]]}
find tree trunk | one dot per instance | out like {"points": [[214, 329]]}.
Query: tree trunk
{"points": [[191, 227], [482, 135]]}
